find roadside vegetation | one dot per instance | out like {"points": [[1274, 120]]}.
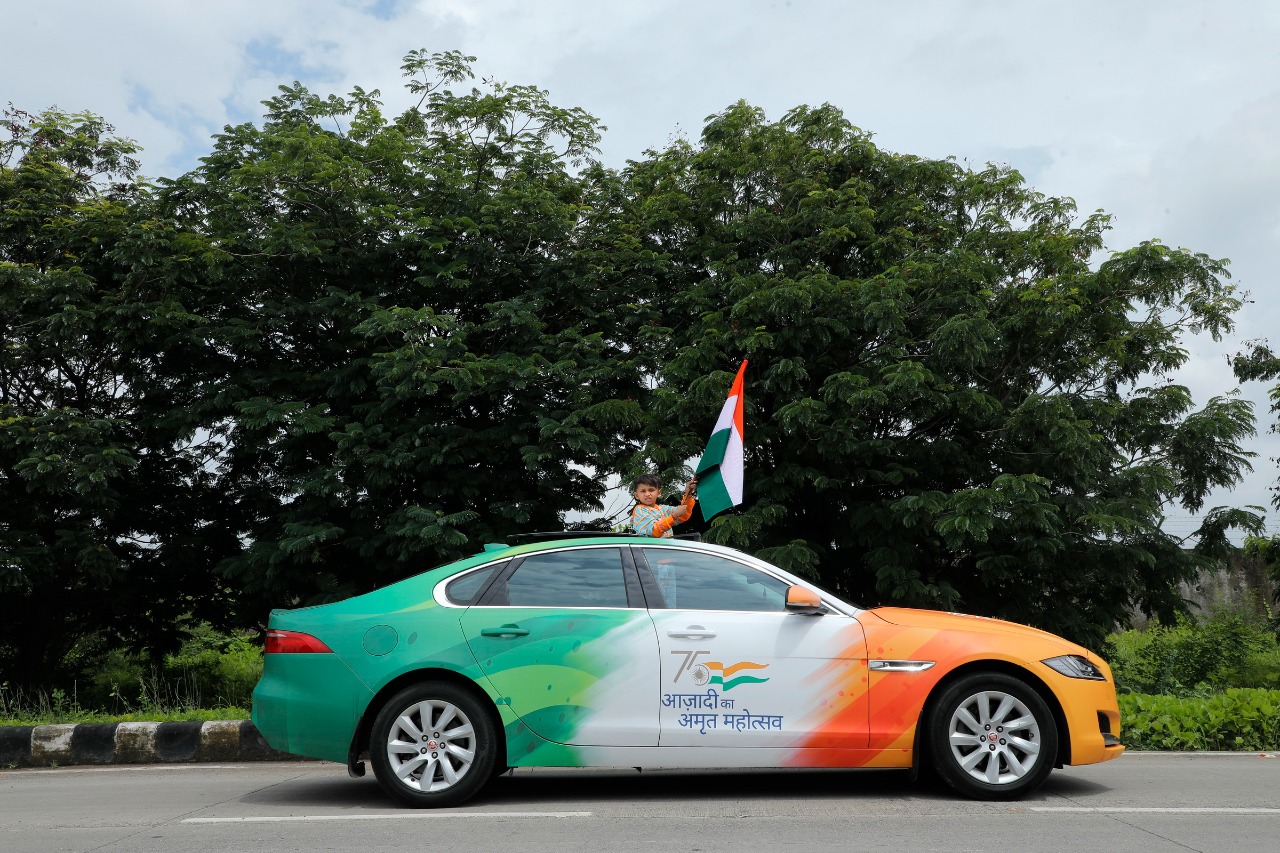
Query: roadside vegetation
{"points": [[210, 677], [1209, 684]]}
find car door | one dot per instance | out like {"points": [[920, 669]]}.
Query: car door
{"points": [[738, 669], [564, 637]]}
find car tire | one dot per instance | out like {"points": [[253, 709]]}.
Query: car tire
{"points": [[433, 745], [992, 737]]}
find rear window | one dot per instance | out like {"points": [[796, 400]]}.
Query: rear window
{"points": [[465, 588]]}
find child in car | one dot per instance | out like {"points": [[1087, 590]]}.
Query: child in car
{"points": [[650, 518]]}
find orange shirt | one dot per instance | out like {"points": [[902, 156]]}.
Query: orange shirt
{"points": [[659, 519]]}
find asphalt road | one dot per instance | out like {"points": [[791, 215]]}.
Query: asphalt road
{"points": [[1140, 802]]}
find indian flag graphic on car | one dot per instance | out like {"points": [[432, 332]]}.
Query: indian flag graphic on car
{"points": [[728, 677]]}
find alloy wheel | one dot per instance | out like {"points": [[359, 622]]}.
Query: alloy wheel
{"points": [[431, 746], [994, 737]]}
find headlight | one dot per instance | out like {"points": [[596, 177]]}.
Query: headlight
{"points": [[1075, 666]]}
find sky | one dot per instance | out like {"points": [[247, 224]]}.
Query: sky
{"points": [[1164, 113]]}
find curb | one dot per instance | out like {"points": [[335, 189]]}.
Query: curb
{"points": [[134, 743]]}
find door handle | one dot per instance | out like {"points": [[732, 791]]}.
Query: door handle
{"points": [[505, 631], [693, 632]]}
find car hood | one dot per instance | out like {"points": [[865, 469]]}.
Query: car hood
{"points": [[937, 620]]}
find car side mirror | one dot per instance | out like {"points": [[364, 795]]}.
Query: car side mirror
{"points": [[804, 601]]}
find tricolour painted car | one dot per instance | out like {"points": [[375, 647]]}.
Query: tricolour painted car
{"points": [[638, 652]]}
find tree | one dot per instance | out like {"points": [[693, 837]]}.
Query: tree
{"points": [[347, 347], [343, 349], [948, 405], [416, 343], [99, 475], [1260, 363]]}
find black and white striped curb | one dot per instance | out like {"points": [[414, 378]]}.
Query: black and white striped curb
{"points": [[133, 743]]}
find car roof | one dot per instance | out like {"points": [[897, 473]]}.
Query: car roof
{"points": [[592, 534], [526, 543]]}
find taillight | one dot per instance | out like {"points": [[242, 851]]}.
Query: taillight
{"points": [[292, 643]]}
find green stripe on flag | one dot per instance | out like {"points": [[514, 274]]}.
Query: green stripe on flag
{"points": [[714, 454], [713, 497]]}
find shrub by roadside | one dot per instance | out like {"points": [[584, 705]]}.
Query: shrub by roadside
{"points": [[1202, 684], [1196, 656], [210, 677], [221, 667], [1236, 719]]}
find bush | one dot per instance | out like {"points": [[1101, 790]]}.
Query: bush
{"points": [[1235, 719], [1224, 651], [209, 670], [222, 668], [211, 676]]}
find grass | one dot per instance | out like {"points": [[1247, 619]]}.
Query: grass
{"points": [[158, 703], [169, 716]]}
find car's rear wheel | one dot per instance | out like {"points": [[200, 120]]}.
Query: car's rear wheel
{"points": [[433, 745], [992, 737]]}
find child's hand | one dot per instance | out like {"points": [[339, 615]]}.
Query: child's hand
{"points": [[691, 487]]}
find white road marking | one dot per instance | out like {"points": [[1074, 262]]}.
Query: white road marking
{"points": [[416, 815], [1160, 810]]}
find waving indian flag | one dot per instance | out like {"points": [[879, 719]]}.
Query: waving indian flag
{"points": [[720, 469]]}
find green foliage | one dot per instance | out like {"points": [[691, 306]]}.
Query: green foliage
{"points": [[417, 343], [1260, 363], [212, 672], [106, 487], [19, 706], [1208, 685], [1235, 719], [1227, 650], [949, 404], [343, 348], [349, 345], [223, 669], [210, 669], [22, 707]]}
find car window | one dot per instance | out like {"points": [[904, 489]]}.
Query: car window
{"points": [[589, 577], [464, 589], [694, 581]]}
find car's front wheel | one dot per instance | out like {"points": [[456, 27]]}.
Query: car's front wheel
{"points": [[992, 737], [433, 745]]}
